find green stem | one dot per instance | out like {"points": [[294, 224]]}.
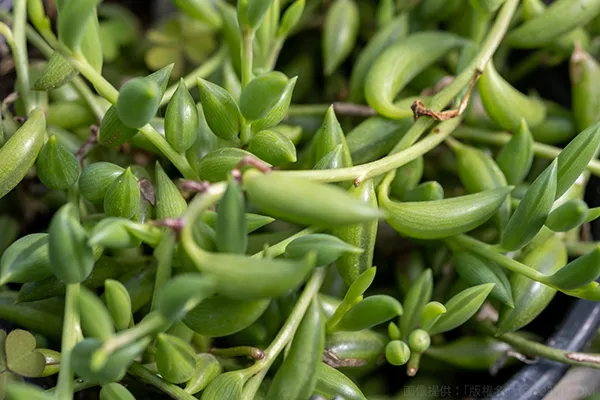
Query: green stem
{"points": [[145, 375], [152, 323], [164, 256], [88, 96], [206, 69], [341, 108], [285, 335], [64, 387], [239, 351], [279, 248], [19, 50], [446, 95], [530, 348], [78, 385], [383, 165], [498, 138], [274, 54], [247, 55], [490, 252]]}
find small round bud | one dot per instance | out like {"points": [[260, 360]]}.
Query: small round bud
{"points": [[397, 352], [419, 340]]}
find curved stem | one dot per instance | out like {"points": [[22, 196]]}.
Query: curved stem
{"points": [[19, 50], [247, 55], [446, 95], [530, 348], [64, 387], [381, 166], [285, 335], [145, 375]]}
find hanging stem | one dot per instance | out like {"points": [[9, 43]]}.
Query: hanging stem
{"points": [[285, 335], [64, 387], [530, 348], [145, 375], [19, 51]]}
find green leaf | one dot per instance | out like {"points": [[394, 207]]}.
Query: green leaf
{"points": [[174, 358], [57, 73], [570, 215], [516, 156], [95, 318], [532, 211], [115, 391], [56, 167], [138, 102], [261, 95], [340, 31], [578, 273], [73, 20], [416, 298], [182, 293], [122, 198], [461, 307], [118, 303], [328, 248], [26, 260], [230, 225], [475, 270], [369, 312], [21, 391], [360, 285], [397, 352], [432, 311], [220, 110], [21, 356], [272, 147]]}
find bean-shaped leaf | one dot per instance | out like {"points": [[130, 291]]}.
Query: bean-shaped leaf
{"points": [[115, 391], [220, 316], [181, 119], [169, 201], [426, 191], [56, 167], [339, 33], [352, 266], [297, 376], [71, 258], [26, 260], [578, 273], [432, 311], [261, 95], [442, 218], [230, 225], [279, 109], [95, 318], [207, 369], [328, 248], [72, 21], [138, 102], [516, 156], [360, 285], [57, 73], [118, 303], [461, 307], [305, 202], [228, 385], [216, 165], [369, 312], [331, 383], [113, 131], [478, 172], [532, 211], [272, 147], [18, 154], [290, 18], [568, 216], [122, 198], [399, 64], [505, 104], [563, 16], [414, 302], [220, 110], [575, 157], [470, 352], [383, 38], [250, 278], [475, 270], [397, 352], [175, 359]]}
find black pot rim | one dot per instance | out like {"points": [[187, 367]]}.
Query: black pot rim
{"points": [[533, 382]]}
